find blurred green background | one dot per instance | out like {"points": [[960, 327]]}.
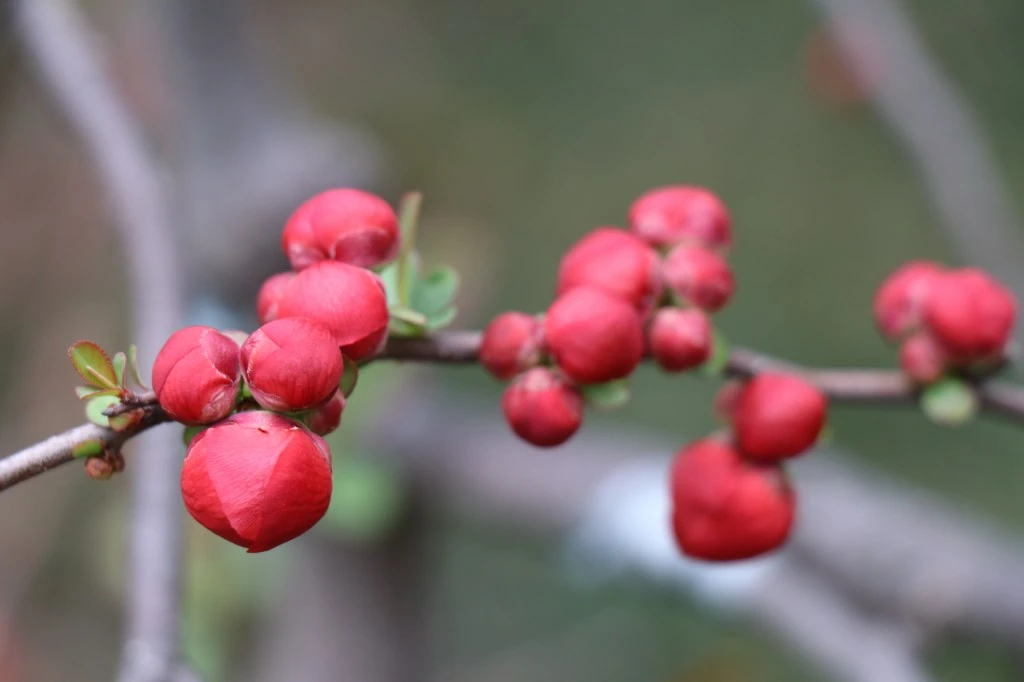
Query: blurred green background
{"points": [[525, 124]]}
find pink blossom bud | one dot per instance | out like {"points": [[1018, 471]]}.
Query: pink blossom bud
{"points": [[196, 375], [970, 314], [680, 339], [347, 225], [922, 358], [900, 300], [699, 276], [270, 295], [681, 214], [615, 261], [511, 343], [257, 479], [778, 416], [348, 300], [542, 408], [593, 337], [291, 364], [327, 418]]}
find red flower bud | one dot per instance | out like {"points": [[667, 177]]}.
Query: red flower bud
{"points": [[542, 408], [291, 364], [922, 358], [593, 337], [196, 375], [681, 214], [680, 339], [900, 300], [327, 418], [725, 508], [348, 300], [347, 225], [257, 479], [778, 416], [727, 398], [615, 261], [511, 343], [970, 314], [699, 276], [270, 295]]}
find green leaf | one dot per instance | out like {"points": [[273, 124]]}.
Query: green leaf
{"points": [[86, 392], [95, 406], [442, 318], [88, 448], [407, 322], [719, 360], [92, 364], [190, 432], [120, 360], [949, 402], [607, 396], [349, 378], [133, 365], [367, 501], [435, 291]]}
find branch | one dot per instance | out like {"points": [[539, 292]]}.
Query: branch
{"points": [[856, 386]]}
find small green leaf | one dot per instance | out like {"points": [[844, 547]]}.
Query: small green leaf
{"points": [[88, 448], [92, 364], [441, 319], [407, 322], [719, 360], [435, 291], [119, 362], [607, 396], [408, 220], [133, 365], [190, 432], [95, 406], [86, 392], [367, 500], [244, 392], [949, 402], [349, 378]]}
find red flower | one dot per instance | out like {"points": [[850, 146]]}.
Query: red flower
{"points": [[593, 337], [616, 262], [196, 375], [725, 508], [347, 225], [699, 276], [681, 214], [680, 339], [970, 314], [257, 479], [348, 300], [542, 408], [778, 416], [900, 301], [270, 296], [291, 364], [511, 343]]}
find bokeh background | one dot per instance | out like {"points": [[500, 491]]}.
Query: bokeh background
{"points": [[525, 124]]}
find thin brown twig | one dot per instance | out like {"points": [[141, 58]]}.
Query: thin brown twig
{"points": [[858, 386]]}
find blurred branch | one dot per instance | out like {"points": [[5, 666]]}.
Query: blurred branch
{"points": [[937, 129], [861, 386], [59, 40]]}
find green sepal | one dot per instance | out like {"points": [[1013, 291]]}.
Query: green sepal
{"points": [[949, 402], [94, 408], [86, 392], [87, 448], [190, 432], [119, 362], [93, 364], [610, 395], [349, 378], [716, 365]]}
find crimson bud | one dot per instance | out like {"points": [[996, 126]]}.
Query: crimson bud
{"points": [[348, 225], [615, 261], [900, 300], [592, 336], [699, 276], [291, 364], [970, 314], [680, 339], [327, 418], [725, 508], [778, 416], [542, 408], [257, 479], [270, 295], [196, 375], [511, 343], [348, 300], [922, 358], [681, 214]]}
